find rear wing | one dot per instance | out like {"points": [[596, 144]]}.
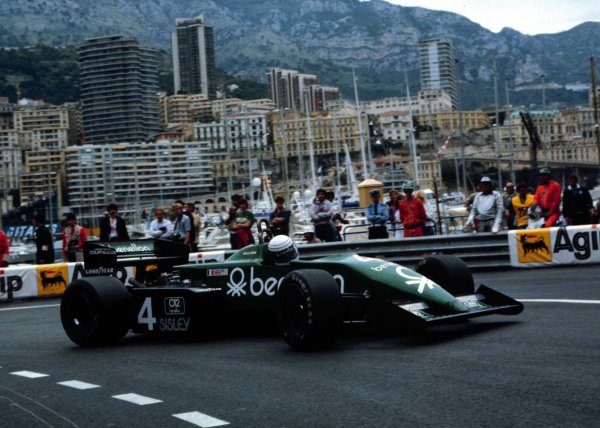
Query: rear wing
{"points": [[101, 258]]}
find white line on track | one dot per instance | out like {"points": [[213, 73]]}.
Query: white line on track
{"points": [[581, 302], [78, 384], [28, 374], [200, 419], [29, 307], [137, 399]]}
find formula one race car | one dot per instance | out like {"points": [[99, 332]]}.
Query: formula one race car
{"points": [[312, 299]]}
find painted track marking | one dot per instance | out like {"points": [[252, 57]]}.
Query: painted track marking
{"points": [[78, 384], [201, 420], [582, 302], [28, 374], [29, 307], [137, 399]]}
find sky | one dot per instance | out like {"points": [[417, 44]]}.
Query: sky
{"points": [[526, 16]]}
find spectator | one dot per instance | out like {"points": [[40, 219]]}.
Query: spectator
{"points": [[509, 211], [521, 203], [235, 205], [190, 216], [577, 203], [112, 226], [377, 214], [44, 243], [4, 249], [547, 197], [73, 237], [321, 214], [160, 227], [412, 213], [487, 208], [309, 235], [182, 226], [241, 224], [394, 213], [338, 218], [190, 208], [280, 218]]}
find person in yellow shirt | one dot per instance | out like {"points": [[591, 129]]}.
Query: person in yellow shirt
{"points": [[521, 202]]}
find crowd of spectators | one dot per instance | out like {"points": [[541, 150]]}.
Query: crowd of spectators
{"points": [[549, 205]]}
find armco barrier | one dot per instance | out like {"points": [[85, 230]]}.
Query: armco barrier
{"points": [[480, 251]]}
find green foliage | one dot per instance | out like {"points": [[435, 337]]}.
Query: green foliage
{"points": [[41, 72], [52, 74]]}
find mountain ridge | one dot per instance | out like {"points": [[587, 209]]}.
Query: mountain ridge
{"points": [[324, 37]]}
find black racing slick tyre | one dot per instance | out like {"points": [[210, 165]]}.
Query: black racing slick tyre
{"points": [[449, 272], [310, 309], [94, 311]]}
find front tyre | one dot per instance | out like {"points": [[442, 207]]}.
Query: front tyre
{"points": [[449, 272], [310, 309], [94, 311]]}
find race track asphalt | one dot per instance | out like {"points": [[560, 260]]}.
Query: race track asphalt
{"points": [[537, 369]]}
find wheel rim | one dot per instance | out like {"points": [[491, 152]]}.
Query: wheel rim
{"points": [[294, 311], [79, 313]]}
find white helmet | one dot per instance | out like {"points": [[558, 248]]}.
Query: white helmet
{"points": [[283, 249]]}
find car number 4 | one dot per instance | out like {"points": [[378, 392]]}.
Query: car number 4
{"points": [[145, 314]]}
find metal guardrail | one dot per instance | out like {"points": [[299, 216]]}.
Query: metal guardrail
{"points": [[480, 251]]}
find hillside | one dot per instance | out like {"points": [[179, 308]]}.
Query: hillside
{"points": [[325, 37]]}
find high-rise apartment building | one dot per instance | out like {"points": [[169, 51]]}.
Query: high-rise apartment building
{"points": [[119, 85], [289, 88], [194, 58], [438, 67]]}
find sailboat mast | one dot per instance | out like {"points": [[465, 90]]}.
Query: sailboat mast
{"points": [[360, 130]]}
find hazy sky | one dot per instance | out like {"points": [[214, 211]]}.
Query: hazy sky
{"points": [[526, 16]]}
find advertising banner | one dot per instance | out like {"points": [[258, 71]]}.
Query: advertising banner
{"points": [[27, 281], [554, 246]]}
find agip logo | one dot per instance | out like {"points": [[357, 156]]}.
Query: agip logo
{"points": [[534, 246], [52, 279]]}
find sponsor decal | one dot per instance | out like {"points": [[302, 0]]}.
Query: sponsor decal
{"points": [[52, 279], [217, 272], [257, 286], [101, 251], [10, 284], [382, 266], [473, 304], [415, 279], [580, 244], [133, 248], [174, 305], [421, 314], [174, 324], [534, 245], [254, 286]]}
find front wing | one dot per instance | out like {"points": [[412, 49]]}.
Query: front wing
{"points": [[485, 301]]}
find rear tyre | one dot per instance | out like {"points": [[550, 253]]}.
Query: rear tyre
{"points": [[310, 309], [94, 311], [450, 272]]}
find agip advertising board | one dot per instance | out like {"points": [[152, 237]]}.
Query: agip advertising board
{"points": [[554, 246]]}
